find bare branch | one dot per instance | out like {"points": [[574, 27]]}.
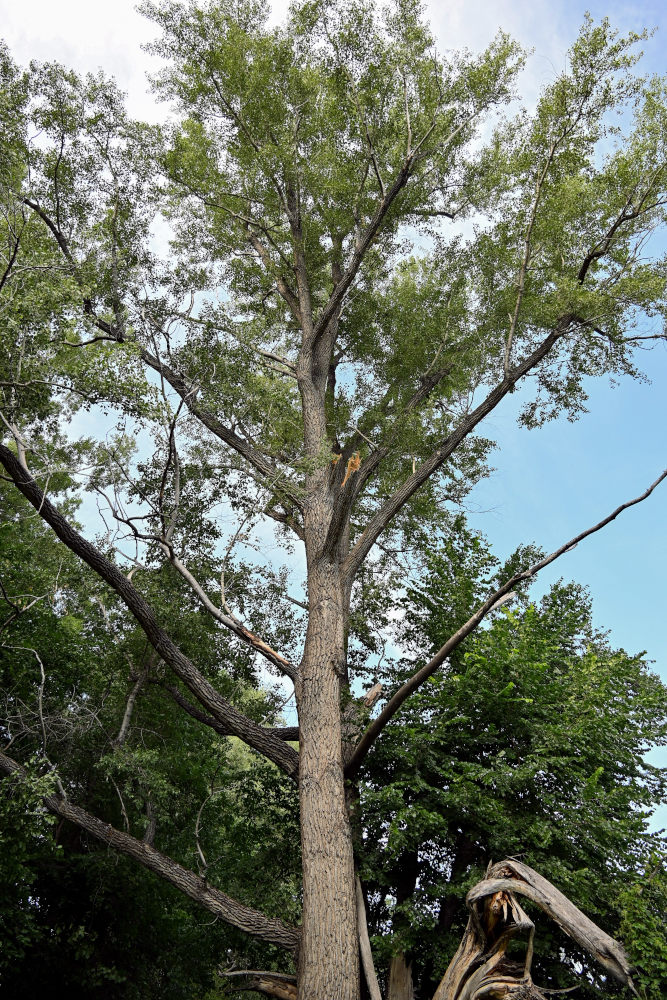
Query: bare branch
{"points": [[276, 357], [480, 969], [523, 270], [365, 946], [229, 622], [492, 602], [151, 662]]}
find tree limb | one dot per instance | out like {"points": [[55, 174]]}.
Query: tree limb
{"points": [[286, 733], [349, 493], [230, 910], [396, 501], [338, 294], [365, 946], [255, 736], [229, 622], [482, 967], [492, 602]]}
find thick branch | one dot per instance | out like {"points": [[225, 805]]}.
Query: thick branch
{"points": [[252, 734], [390, 508], [223, 906], [55, 230], [286, 733], [281, 284], [498, 596], [339, 292], [481, 967], [351, 488]]}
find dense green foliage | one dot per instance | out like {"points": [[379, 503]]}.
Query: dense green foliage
{"points": [[71, 912], [530, 744]]}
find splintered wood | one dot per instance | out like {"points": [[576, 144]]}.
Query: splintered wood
{"points": [[481, 968]]}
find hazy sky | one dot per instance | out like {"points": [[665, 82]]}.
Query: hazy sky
{"points": [[549, 484]]}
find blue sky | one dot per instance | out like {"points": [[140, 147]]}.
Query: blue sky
{"points": [[551, 483]]}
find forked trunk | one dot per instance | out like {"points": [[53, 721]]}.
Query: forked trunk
{"points": [[329, 950]]}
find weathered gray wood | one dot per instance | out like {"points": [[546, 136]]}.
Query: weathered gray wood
{"points": [[604, 949], [480, 968]]}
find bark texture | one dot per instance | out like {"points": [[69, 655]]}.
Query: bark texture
{"points": [[481, 969], [329, 952], [400, 979]]}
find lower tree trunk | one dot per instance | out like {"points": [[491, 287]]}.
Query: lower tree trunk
{"points": [[329, 949]]}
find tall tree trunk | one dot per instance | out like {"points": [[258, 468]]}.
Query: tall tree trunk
{"points": [[329, 950]]}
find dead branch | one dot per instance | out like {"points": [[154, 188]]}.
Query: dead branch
{"points": [[365, 946], [480, 968]]}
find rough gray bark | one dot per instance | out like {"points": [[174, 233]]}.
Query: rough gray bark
{"points": [[329, 937]]}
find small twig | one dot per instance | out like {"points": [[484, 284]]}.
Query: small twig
{"points": [[123, 810], [408, 151]]}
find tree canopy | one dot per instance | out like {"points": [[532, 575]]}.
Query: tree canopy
{"points": [[278, 323]]}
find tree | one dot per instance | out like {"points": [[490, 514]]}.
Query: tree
{"points": [[529, 744], [315, 177], [78, 701]]}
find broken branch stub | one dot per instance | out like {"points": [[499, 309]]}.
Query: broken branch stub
{"points": [[481, 967]]}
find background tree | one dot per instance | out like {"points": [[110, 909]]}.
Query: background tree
{"points": [[337, 385], [84, 696], [529, 744]]}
